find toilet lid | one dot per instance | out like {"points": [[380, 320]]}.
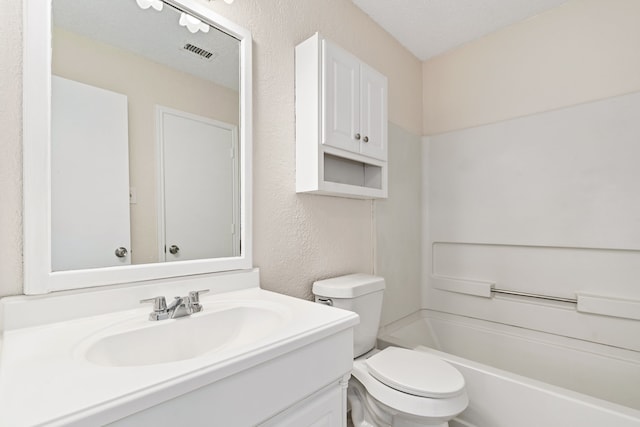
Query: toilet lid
{"points": [[415, 372]]}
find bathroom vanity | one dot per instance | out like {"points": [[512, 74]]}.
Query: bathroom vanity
{"points": [[79, 349], [250, 357]]}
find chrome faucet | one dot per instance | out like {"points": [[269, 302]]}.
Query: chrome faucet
{"points": [[179, 307]]}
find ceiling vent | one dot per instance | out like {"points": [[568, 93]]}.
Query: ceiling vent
{"points": [[204, 54]]}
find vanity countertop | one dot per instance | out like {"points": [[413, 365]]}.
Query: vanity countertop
{"points": [[45, 377]]}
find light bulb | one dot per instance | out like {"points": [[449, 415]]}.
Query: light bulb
{"points": [[192, 23], [146, 4]]}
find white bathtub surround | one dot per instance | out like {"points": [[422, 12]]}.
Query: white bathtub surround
{"points": [[531, 186], [57, 365], [543, 205], [398, 226], [556, 366], [559, 179]]}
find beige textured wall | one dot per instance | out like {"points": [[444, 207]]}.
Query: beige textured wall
{"points": [[302, 238], [298, 238], [146, 85], [582, 51]]}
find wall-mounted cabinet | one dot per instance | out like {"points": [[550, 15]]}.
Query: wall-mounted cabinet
{"points": [[341, 123]]}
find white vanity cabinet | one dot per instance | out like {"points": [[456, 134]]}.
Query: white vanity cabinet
{"points": [[341, 123], [300, 388], [323, 409]]}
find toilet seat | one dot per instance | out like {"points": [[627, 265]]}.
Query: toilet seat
{"points": [[400, 401], [416, 373]]}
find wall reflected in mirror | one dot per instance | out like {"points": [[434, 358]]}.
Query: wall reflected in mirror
{"points": [[145, 151]]}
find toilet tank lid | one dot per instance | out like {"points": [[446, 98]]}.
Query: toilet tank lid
{"points": [[349, 286]]}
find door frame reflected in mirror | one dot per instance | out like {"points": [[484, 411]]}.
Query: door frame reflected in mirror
{"points": [[215, 193], [38, 275]]}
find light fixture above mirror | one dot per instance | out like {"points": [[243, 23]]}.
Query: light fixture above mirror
{"points": [[158, 4], [146, 4], [187, 20], [192, 23], [40, 274]]}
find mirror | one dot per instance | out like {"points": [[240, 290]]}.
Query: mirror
{"points": [[147, 155]]}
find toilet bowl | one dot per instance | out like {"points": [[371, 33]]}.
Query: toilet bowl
{"points": [[393, 387], [404, 388]]}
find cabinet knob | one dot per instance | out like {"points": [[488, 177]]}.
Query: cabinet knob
{"points": [[365, 139], [121, 252], [358, 136], [174, 249]]}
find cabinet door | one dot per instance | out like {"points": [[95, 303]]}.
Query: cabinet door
{"points": [[340, 98], [373, 113], [323, 409]]}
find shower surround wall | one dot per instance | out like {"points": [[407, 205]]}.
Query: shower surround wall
{"points": [[297, 238], [398, 227], [522, 212]]}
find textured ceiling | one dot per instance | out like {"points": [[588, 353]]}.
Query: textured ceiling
{"points": [[154, 35], [430, 27]]}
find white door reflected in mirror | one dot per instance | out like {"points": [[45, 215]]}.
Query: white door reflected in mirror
{"points": [[198, 216], [89, 177]]}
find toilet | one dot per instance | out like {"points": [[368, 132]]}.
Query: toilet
{"points": [[393, 387]]}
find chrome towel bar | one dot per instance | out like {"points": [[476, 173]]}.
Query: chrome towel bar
{"points": [[538, 296]]}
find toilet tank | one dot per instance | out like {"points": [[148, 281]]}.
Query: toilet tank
{"points": [[360, 293]]}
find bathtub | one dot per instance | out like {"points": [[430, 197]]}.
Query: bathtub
{"points": [[522, 378]]}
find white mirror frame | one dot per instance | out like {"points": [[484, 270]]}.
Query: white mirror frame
{"points": [[38, 277]]}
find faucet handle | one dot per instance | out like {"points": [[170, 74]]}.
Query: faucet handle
{"points": [[194, 296], [194, 300], [159, 303], [159, 308]]}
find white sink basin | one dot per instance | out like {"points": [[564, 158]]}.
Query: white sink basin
{"points": [[142, 342]]}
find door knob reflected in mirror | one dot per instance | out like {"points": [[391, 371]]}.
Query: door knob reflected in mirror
{"points": [[174, 249], [121, 252]]}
